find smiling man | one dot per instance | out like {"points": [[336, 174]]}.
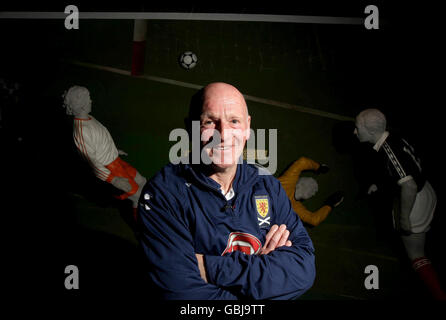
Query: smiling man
{"points": [[223, 229], [224, 128], [224, 118]]}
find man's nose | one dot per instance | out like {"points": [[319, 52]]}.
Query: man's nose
{"points": [[224, 130], [355, 132]]}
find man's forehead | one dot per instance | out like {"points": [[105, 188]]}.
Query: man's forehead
{"points": [[222, 91], [226, 104], [229, 109], [228, 112], [223, 98]]}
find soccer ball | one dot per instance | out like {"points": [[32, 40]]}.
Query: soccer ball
{"points": [[188, 60]]}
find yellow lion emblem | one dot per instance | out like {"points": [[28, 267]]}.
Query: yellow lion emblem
{"points": [[262, 206]]}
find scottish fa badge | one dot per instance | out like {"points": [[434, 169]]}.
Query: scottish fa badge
{"points": [[262, 207]]}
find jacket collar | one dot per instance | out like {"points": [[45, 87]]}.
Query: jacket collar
{"points": [[381, 141], [245, 176]]}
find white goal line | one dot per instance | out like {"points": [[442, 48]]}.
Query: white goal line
{"points": [[270, 102]]}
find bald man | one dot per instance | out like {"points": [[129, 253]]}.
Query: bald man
{"points": [[222, 228], [416, 200]]}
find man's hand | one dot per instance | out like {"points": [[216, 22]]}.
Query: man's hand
{"points": [[201, 267], [275, 238]]}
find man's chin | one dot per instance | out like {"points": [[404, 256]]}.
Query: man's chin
{"points": [[224, 164]]}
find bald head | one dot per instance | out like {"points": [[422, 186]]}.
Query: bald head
{"points": [[219, 92], [224, 94], [223, 113]]}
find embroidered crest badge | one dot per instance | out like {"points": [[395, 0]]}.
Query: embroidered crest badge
{"points": [[263, 211], [262, 205]]}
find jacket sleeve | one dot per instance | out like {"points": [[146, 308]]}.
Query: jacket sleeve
{"points": [[168, 246], [285, 273]]}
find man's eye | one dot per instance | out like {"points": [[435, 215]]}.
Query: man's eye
{"points": [[235, 121], [207, 122]]}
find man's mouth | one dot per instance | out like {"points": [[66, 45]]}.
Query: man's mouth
{"points": [[223, 148]]}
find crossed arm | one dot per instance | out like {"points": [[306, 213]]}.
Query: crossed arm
{"points": [[283, 270], [275, 238]]}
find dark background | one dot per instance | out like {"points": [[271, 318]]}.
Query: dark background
{"points": [[397, 68]]}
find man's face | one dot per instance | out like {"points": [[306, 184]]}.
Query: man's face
{"points": [[224, 125], [361, 132]]}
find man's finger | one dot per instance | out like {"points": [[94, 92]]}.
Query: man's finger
{"points": [[288, 243], [283, 239], [270, 234], [274, 241]]}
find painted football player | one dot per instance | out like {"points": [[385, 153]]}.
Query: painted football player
{"points": [[298, 189], [96, 146], [415, 201]]}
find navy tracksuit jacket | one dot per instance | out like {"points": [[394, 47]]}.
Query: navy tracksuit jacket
{"points": [[183, 212]]}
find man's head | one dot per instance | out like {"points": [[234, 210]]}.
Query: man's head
{"points": [[77, 101], [224, 123], [370, 125], [306, 187]]}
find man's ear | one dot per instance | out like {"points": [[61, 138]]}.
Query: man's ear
{"points": [[248, 129]]}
